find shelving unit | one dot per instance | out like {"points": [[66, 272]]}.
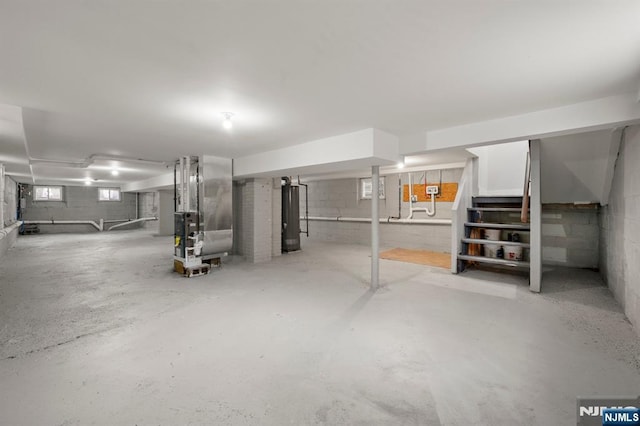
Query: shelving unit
{"points": [[494, 213]]}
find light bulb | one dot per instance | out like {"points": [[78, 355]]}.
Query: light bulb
{"points": [[114, 173], [87, 182], [226, 123], [401, 165]]}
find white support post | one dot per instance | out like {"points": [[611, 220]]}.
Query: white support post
{"points": [[375, 226], [2, 196], [535, 273]]}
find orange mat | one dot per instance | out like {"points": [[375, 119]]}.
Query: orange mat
{"points": [[421, 257], [448, 192]]}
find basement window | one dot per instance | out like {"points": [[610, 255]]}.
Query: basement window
{"points": [[109, 194], [47, 193], [366, 186]]}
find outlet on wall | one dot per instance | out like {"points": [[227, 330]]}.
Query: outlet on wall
{"points": [[432, 189]]}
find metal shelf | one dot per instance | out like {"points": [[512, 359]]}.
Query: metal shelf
{"points": [[501, 242], [486, 225], [518, 264], [495, 209], [498, 200]]}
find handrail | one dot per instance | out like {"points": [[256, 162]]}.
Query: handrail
{"points": [[524, 215]]}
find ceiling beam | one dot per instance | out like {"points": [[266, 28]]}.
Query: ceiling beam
{"points": [[599, 114], [350, 151], [163, 181]]}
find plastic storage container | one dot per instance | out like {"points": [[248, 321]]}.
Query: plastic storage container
{"points": [[512, 253]]}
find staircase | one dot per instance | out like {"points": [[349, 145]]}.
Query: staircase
{"points": [[495, 213]]}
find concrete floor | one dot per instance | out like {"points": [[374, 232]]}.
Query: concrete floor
{"points": [[96, 329]]}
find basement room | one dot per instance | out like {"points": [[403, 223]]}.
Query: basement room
{"points": [[319, 213]]}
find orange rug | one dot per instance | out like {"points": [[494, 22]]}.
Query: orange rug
{"points": [[421, 257]]}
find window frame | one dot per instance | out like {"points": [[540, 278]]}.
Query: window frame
{"points": [[110, 189], [48, 198], [362, 182]]}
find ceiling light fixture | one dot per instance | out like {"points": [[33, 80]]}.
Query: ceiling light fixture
{"points": [[87, 181], [226, 123], [114, 172], [401, 164]]}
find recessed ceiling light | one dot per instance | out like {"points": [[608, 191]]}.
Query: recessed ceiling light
{"points": [[114, 172], [226, 123], [87, 181]]}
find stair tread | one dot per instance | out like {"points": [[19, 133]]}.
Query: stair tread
{"points": [[507, 199], [489, 225], [494, 209], [501, 242], [494, 261]]}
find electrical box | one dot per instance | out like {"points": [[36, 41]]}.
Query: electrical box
{"points": [[432, 189]]}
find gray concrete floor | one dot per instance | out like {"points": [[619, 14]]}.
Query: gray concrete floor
{"points": [[96, 329]]}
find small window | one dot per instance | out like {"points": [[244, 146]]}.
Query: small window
{"points": [[47, 193], [109, 194], [366, 186]]}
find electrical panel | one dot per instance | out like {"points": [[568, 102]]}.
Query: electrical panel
{"points": [[432, 189]]}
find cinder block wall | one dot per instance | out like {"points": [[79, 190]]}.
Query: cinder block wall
{"points": [[255, 212], [148, 206], [411, 236], [570, 236], [9, 207], [80, 203], [620, 229], [340, 197], [9, 215]]}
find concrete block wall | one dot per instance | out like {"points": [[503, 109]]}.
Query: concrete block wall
{"points": [[570, 236], [9, 205], [410, 236], [254, 227], [620, 229], [148, 206], [340, 197], [79, 203]]}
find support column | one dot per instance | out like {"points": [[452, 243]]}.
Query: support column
{"points": [[2, 182], [535, 273], [375, 227], [165, 212], [257, 230], [276, 218]]}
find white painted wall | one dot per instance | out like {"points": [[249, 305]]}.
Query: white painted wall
{"points": [[620, 229], [165, 213], [574, 167], [501, 168]]}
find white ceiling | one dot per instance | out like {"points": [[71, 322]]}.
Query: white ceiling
{"points": [[150, 79]]}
